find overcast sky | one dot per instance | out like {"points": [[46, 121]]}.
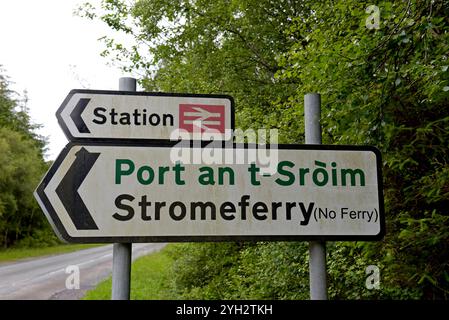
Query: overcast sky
{"points": [[48, 51]]}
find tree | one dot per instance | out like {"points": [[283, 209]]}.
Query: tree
{"points": [[209, 47], [21, 168], [389, 87]]}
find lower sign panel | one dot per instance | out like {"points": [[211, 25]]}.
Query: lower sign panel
{"points": [[135, 193]]}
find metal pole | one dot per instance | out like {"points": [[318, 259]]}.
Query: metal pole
{"points": [[317, 249], [121, 254], [127, 84], [121, 271]]}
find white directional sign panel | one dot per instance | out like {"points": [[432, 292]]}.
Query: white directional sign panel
{"points": [[95, 114], [134, 193]]}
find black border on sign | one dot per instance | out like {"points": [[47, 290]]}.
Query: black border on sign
{"points": [[62, 233], [70, 137]]}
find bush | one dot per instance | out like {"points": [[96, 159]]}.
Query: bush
{"points": [[38, 239]]}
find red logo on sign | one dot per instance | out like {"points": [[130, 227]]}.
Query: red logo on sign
{"points": [[204, 117]]}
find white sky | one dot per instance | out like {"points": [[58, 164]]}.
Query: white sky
{"points": [[48, 51]]}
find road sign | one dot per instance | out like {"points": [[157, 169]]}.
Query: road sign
{"points": [[95, 114], [96, 192]]}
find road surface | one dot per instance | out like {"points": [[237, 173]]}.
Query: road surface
{"points": [[45, 278]]}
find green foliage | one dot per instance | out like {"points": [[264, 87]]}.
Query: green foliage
{"points": [[387, 87], [21, 168], [240, 271], [41, 236], [210, 47], [14, 114], [201, 271], [272, 271]]}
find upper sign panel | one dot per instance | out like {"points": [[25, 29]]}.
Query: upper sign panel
{"points": [[118, 115]]}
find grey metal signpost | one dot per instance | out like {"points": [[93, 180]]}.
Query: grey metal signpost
{"points": [[121, 255], [317, 249]]}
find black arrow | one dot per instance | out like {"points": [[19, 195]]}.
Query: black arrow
{"points": [[67, 190], [76, 115]]}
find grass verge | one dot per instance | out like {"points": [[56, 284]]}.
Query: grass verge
{"points": [[150, 279], [14, 254]]}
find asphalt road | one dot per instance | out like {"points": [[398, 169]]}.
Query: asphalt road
{"points": [[45, 278]]}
